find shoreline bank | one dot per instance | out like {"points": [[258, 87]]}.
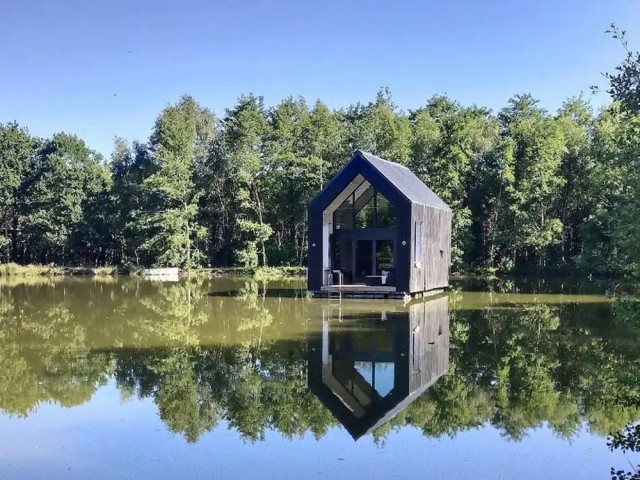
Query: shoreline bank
{"points": [[269, 273]]}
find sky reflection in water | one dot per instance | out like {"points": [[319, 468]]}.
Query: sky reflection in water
{"points": [[119, 378]]}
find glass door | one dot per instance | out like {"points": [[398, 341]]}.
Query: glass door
{"points": [[363, 260]]}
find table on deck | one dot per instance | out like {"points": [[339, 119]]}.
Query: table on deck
{"points": [[375, 280]]}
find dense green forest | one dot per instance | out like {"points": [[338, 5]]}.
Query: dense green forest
{"points": [[530, 189]]}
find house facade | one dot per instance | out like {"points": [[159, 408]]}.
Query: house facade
{"points": [[377, 230]]}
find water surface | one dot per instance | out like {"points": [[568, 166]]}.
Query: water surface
{"points": [[229, 378]]}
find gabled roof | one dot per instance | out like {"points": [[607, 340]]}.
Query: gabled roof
{"points": [[371, 423], [404, 180], [394, 180], [375, 415]]}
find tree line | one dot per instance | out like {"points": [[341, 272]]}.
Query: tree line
{"points": [[529, 188]]}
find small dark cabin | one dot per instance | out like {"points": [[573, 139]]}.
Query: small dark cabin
{"points": [[377, 230], [366, 367]]}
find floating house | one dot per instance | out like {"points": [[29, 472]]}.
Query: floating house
{"points": [[376, 230], [366, 367]]}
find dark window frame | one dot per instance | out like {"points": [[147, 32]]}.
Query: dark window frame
{"points": [[351, 199]]}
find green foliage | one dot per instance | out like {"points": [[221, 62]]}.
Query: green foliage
{"points": [[243, 358], [16, 270], [254, 233], [180, 142], [626, 441], [17, 148], [448, 140], [528, 189], [538, 149], [624, 84]]}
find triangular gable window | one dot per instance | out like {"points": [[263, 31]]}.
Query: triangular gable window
{"points": [[364, 208]]}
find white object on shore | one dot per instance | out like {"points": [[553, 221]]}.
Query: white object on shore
{"points": [[163, 274]]}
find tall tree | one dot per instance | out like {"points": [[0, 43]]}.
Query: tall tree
{"points": [[294, 179], [447, 140], [539, 146], [378, 128], [323, 138], [242, 147], [130, 165], [17, 149], [490, 193], [624, 83], [181, 139], [610, 189], [613, 232], [575, 121], [61, 179]]}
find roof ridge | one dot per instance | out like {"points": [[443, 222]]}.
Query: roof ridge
{"points": [[395, 164], [412, 194]]}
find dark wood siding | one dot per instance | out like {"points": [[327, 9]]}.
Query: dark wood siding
{"points": [[430, 248], [428, 342]]}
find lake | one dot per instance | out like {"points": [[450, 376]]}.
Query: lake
{"points": [[231, 378]]}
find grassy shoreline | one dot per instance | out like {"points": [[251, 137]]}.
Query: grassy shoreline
{"points": [[269, 273], [15, 270], [261, 273]]}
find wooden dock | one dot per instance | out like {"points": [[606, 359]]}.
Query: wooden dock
{"points": [[359, 291], [366, 291]]}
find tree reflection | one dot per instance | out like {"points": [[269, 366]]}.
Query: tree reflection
{"points": [[627, 440], [242, 359], [627, 320]]}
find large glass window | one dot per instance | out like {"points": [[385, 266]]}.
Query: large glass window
{"points": [[385, 214], [343, 216], [364, 256], [364, 208]]}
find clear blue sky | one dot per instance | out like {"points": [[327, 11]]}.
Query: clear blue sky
{"points": [[101, 68]]}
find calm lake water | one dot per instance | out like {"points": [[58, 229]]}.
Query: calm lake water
{"points": [[126, 378]]}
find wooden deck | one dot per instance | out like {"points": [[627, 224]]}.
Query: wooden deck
{"points": [[359, 291], [366, 291]]}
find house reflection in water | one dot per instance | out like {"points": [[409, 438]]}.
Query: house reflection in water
{"points": [[366, 366]]}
